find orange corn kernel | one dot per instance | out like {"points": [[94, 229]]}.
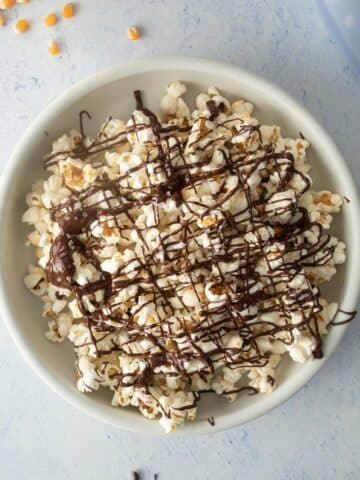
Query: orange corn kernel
{"points": [[21, 26], [50, 20], [54, 48], [2, 20], [5, 4], [133, 33], [68, 10]]}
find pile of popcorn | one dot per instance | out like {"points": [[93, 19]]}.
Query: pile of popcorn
{"points": [[182, 256]]}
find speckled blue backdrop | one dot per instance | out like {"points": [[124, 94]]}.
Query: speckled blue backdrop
{"points": [[312, 50]]}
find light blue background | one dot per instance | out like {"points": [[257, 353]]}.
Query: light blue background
{"points": [[308, 49]]}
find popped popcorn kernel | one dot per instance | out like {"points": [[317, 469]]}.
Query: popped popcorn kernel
{"points": [[68, 10], [21, 26], [133, 33], [54, 48], [73, 175], [2, 20], [207, 221], [324, 197], [50, 20]]}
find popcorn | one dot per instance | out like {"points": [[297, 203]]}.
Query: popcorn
{"points": [[182, 110], [323, 201], [168, 104], [111, 129], [74, 309], [182, 256], [240, 106], [302, 347], [176, 89], [280, 206], [59, 329], [172, 103], [85, 274], [89, 378], [35, 281]]}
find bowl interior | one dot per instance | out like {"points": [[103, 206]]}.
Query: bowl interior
{"points": [[112, 95]]}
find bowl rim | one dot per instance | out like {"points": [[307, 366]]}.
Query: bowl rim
{"points": [[166, 63]]}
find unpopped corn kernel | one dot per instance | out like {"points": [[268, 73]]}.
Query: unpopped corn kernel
{"points": [[21, 26], [6, 4], [2, 20], [54, 48], [50, 20], [133, 33], [68, 10]]}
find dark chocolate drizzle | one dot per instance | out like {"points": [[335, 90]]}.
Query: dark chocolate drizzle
{"points": [[60, 268], [215, 109], [241, 308], [77, 221], [350, 317], [81, 120]]}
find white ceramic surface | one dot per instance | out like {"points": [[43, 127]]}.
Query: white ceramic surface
{"points": [[110, 93]]}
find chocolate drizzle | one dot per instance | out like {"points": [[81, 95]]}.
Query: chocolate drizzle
{"points": [[138, 100], [60, 268], [81, 120], [242, 309], [77, 221], [349, 317], [215, 109]]}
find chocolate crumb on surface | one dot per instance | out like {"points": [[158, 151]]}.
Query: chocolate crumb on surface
{"points": [[211, 420]]}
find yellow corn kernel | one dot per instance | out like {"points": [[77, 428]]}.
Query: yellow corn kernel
{"points": [[50, 20], [133, 33], [2, 20], [54, 48], [21, 26], [68, 10], [5, 4]]}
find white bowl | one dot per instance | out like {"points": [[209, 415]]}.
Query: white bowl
{"points": [[110, 93]]}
